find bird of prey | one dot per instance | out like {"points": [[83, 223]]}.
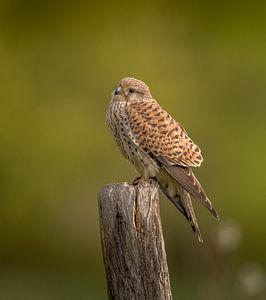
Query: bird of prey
{"points": [[157, 146]]}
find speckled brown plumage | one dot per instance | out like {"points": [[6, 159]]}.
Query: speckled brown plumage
{"points": [[157, 146], [157, 131]]}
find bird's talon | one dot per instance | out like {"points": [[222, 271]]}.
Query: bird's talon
{"points": [[136, 181]]}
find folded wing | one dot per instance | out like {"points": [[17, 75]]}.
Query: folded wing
{"points": [[158, 134]]}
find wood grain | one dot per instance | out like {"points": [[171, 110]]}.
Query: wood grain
{"points": [[132, 242]]}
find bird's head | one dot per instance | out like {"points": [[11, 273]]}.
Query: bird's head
{"points": [[131, 90]]}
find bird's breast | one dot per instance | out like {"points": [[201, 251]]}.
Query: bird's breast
{"points": [[119, 123]]}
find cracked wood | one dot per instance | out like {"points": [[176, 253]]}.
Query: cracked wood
{"points": [[132, 242]]}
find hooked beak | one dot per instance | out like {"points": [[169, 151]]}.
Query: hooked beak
{"points": [[118, 90]]}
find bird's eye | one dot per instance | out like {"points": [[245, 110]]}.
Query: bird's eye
{"points": [[131, 91]]}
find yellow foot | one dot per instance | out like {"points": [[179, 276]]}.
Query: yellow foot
{"points": [[137, 180]]}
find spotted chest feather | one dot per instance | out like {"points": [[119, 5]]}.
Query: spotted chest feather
{"points": [[119, 123]]}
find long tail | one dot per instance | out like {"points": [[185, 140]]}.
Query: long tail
{"points": [[181, 199], [186, 178]]}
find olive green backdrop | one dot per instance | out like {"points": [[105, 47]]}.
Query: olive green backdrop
{"points": [[59, 61]]}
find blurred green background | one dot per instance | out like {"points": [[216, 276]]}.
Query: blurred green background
{"points": [[205, 63]]}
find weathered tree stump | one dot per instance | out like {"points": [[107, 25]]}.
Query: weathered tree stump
{"points": [[132, 242]]}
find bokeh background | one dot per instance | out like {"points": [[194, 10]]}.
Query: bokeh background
{"points": [[59, 61]]}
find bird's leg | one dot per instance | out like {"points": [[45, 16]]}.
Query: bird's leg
{"points": [[152, 179], [142, 178], [137, 180]]}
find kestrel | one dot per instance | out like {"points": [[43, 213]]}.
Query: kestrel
{"points": [[157, 146]]}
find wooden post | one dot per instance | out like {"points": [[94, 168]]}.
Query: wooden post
{"points": [[132, 242]]}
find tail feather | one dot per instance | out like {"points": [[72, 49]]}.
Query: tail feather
{"points": [[181, 199], [186, 178], [186, 199]]}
